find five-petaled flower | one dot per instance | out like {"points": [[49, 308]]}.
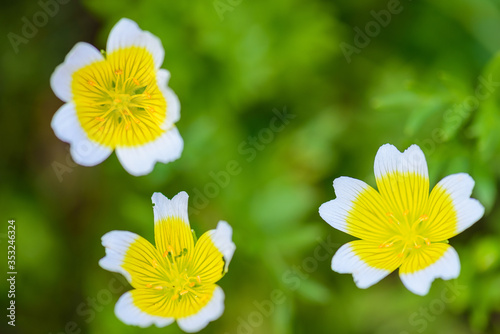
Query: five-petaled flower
{"points": [[176, 279], [118, 100], [401, 225]]}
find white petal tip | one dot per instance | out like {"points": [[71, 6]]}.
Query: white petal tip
{"points": [[129, 314], [140, 160], [212, 311], [446, 268], [165, 208], [222, 239], [345, 261], [390, 160]]}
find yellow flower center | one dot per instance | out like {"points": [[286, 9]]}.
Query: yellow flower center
{"points": [[178, 283], [408, 233], [118, 101]]}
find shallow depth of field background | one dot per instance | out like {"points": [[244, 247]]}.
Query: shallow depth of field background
{"points": [[431, 76]]}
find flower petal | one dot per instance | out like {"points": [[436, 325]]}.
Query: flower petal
{"points": [[67, 128], [210, 312], [428, 263], [81, 55], [389, 161], [403, 181], [358, 210], [212, 254], [173, 104], [172, 230], [451, 210], [126, 33], [127, 311], [134, 257], [145, 307], [140, 160], [366, 261]]}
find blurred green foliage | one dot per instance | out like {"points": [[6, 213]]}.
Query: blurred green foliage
{"points": [[431, 76]]}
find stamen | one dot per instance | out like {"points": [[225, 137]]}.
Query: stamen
{"points": [[92, 83], [198, 279], [191, 290], [389, 242], [403, 251], [127, 125], [117, 100], [170, 249], [148, 96], [175, 297], [191, 284], [100, 119], [137, 120], [165, 253], [158, 287], [426, 240], [406, 212], [136, 82], [155, 264], [149, 285], [183, 292], [118, 72], [419, 220], [108, 111], [390, 214]]}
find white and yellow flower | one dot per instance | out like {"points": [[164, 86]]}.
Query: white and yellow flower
{"points": [[118, 100], [401, 225], [174, 280]]}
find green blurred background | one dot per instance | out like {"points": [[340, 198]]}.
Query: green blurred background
{"points": [[430, 76]]}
